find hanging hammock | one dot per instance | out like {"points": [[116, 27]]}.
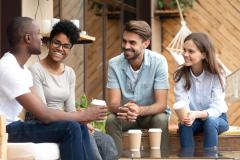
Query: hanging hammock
{"points": [[176, 45]]}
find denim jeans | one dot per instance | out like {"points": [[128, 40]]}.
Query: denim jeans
{"points": [[103, 146], [72, 137], [210, 127]]}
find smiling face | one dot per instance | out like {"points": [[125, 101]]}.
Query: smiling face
{"points": [[192, 55], [59, 47], [133, 45]]}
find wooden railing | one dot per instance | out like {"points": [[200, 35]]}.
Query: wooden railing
{"points": [[233, 87]]}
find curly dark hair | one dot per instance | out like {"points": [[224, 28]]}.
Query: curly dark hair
{"points": [[68, 28]]}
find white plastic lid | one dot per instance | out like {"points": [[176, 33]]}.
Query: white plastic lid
{"points": [[155, 130], [134, 131], [98, 102], [179, 104]]}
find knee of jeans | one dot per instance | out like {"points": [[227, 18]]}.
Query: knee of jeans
{"points": [[74, 127], [111, 121], [161, 120], [110, 140], [210, 123], [183, 127]]}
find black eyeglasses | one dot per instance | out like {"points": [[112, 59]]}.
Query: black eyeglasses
{"points": [[58, 44]]}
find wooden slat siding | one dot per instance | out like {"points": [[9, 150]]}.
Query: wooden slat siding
{"points": [[56, 8], [94, 53], [218, 36], [221, 21], [221, 39], [227, 22], [235, 4], [231, 24]]}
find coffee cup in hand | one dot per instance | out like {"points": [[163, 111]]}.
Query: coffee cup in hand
{"points": [[98, 102], [180, 109]]}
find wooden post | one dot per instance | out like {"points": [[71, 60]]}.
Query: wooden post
{"points": [[3, 138]]}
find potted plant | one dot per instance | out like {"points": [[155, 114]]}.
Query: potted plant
{"points": [[172, 4]]}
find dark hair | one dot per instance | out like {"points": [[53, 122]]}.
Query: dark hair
{"points": [[210, 64], [68, 28], [17, 28], [141, 28]]}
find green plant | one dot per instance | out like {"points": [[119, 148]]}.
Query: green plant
{"points": [[83, 104], [172, 4]]}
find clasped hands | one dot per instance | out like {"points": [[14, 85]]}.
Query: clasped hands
{"points": [[129, 112]]}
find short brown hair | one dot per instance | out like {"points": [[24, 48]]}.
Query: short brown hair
{"points": [[141, 28]]}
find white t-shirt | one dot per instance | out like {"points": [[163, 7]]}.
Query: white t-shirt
{"points": [[135, 75], [14, 81]]}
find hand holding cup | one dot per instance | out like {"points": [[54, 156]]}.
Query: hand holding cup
{"points": [[181, 110], [99, 108]]}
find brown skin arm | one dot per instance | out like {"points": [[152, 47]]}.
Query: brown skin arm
{"points": [[33, 103]]}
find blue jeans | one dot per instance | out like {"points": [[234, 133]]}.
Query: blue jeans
{"points": [[104, 146], [72, 137], [210, 127]]}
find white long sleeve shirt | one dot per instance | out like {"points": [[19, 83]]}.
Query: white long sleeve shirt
{"points": [[205, 94]]}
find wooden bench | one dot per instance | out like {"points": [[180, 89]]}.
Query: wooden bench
{"points": [[227, 142]]}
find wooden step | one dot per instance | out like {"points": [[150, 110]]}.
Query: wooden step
{"points": [[226, 142]]}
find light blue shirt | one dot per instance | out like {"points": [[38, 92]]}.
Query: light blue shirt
{"points": [[153, 75], [205, 94]]}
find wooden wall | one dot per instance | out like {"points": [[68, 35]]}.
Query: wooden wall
{"points": [[94, 52], [221, 20]]}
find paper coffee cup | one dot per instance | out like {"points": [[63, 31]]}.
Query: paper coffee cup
{"points": [[155, 153], [134, 136], [180, 109], [155, 138], [98, 102]]}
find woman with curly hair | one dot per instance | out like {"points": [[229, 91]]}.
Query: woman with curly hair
{"points": [[54, 82]]}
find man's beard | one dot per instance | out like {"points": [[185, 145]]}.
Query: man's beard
{"points": [[134, 56]]}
